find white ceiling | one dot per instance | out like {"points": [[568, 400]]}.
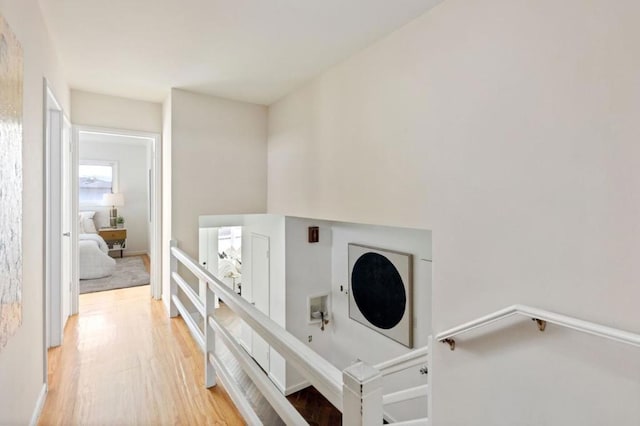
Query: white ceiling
{"points": [[249, 50]]}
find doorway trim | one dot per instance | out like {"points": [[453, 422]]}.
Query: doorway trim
{"points": [[155, 195], [53, 117], [52, 321]]}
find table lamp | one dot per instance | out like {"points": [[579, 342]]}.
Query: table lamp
{"points": [[113, 200]]}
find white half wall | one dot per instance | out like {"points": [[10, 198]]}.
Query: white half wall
{"points": [[308, 272], [214, 162], [133, 177], [372, 346], [22, 366], [510, 130]]}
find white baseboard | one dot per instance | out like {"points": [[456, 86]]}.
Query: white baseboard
{"points": [[296, 388], [39, 405], [291, 389]]}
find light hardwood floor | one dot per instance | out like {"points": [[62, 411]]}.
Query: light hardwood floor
{"points": [[124, 362]]}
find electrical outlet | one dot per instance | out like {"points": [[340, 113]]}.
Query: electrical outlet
{"points": [[310, 338]]}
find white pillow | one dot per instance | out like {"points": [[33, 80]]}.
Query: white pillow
{"points": [[86, 223]]}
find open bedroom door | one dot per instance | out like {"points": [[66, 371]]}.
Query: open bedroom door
{"points": [[134, 159]]}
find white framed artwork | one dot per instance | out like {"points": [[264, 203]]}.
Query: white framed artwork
{"points": [[380, 291], [11, 98]]}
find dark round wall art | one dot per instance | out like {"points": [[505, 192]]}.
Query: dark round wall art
{"points": [[378, 290]]}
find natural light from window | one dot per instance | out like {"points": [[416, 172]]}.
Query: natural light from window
{"points": [[94, 181]]}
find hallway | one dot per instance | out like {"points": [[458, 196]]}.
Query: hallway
{"points": [[124, 362]]}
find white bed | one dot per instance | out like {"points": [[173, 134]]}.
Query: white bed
{"points": [[94, 259]]}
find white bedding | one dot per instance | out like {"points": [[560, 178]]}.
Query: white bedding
{"points": [[95, 261]]}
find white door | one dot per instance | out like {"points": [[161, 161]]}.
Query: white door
{"points": [[260, 293], [208, 256]]}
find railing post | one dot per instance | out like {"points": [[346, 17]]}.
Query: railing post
{"points": [[361, 395], [173, 287], [209, 337]]}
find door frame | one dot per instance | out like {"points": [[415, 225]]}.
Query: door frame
{"points": [[53, 322], [155, 195]]}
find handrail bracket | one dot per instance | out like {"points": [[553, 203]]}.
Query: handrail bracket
{"points": [[542, 324], [450, 342]]}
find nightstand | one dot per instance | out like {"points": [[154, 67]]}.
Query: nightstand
{"points": [[116, 238]]}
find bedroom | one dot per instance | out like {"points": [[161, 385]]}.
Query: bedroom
{"points": [[114, 211]]}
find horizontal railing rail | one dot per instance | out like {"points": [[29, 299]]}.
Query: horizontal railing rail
{"points": [[234, 391], [417, 357], [541, 317], [191, 294], [188, 319], [356, 391], [318, 371], [271, 393], [405, 395]]}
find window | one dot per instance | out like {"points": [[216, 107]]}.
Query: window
{"points": [[95, 179]]}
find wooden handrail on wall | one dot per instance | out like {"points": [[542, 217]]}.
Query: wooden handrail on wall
{"points": [[541, 317]]}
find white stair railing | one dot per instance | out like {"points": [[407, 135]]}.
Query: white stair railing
{"points": [[417, 359], [541, 317], [357, 391]]}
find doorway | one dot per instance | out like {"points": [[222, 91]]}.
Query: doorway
{"points": [[118, 189]]}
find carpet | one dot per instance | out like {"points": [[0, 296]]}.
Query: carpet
{"points": [[129, 272]]}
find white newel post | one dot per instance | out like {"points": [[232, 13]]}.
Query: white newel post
{"points": [[361, 395], [173, 287], [209, 336]]}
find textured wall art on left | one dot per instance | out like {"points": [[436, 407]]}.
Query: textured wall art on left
{"points": [[11, 98]]}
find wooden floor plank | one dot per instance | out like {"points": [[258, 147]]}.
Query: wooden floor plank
{"points": [[124, 362]]}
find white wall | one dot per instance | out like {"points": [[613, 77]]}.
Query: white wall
{"points": [[308, 272], [218, 161], [299, 269], [93, 109], [132, 159], [509, 129], [314, 268], [22, 360], [373, 347]]}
